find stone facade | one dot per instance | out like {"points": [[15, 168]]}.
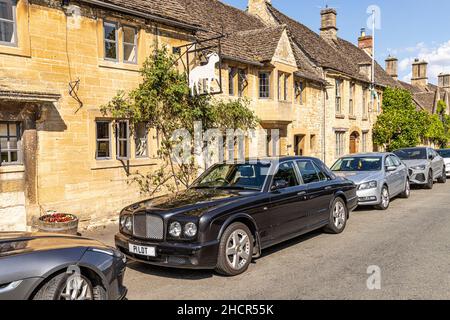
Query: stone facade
{"points": [[59, 170]]}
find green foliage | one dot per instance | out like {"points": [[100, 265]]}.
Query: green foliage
{"points": [[163, 102], [401, 125]]}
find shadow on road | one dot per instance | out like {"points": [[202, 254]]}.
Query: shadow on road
{"points": [[182, 274]]}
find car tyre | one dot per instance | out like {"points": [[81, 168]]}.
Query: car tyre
{"points": [[407, 192], [338, 217], [430, 181], [235, 250], [385, 199], [54, 289], [443, 177]]}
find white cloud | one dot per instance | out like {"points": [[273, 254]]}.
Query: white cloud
{"points": [[437, 56]]}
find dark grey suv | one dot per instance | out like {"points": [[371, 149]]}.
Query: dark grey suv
{"points": [[58, 267]]}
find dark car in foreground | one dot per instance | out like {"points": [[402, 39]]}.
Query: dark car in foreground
{"points": [[424, 165], [43, 266], [233, 211]]}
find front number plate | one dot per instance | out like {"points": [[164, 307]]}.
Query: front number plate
{"points": [[143, 251]]}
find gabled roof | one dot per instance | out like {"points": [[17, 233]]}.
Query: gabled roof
{"points": [[424, 97], [247, 39], [341, 55]]}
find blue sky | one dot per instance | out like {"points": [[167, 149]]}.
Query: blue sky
{"points": [[409, 29]]}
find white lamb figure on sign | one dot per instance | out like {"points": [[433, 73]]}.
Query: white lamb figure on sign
{"points": [[206, 72]]}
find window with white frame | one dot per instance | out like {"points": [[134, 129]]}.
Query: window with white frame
{"points": [[283, 79], [103, 140], [8, 23], [299, 91], [110, 31], [340, 143], [141, 140], [123, 140], [352, 99], [364, 141], [338, 85], [10, 143], [129, 44], [364, 102], [264, 85]]}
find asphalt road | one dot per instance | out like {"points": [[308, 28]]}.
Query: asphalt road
{"points": [[410, 243]]}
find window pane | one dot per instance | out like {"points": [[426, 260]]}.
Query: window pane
{"points": [[12, 143], [141, 140], [4, 157], [123, 149], [129, 35], [308, 172], [102, 130], [6, 31], [3, 129], [6, 10], [110, 32], [231, 73], [129, 53], [103, 149], [123, 130], [286, 173], [14, 156], [110, 50], [3, 143]]}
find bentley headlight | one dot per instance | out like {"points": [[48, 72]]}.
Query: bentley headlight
{"points": [[368, 185], [190, 229], [175, 229], [421, 167], [126, 223]]}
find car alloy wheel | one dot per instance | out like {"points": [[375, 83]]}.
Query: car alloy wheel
{"points": [[385, 198], [238, 249], [339, 215], [77, 288]]}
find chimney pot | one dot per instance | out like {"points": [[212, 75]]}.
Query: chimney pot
{"points": [[365, 42], [392, 67], [328, 29], [259, 8]]}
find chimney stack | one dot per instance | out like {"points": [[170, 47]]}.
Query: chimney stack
{"points": [[328, 29], [259, 8], [365, 42], [444, 81], [392, 67], [419, 73]]}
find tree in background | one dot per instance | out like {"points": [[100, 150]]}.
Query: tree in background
{"points": [[400, 125], [163, 102]]}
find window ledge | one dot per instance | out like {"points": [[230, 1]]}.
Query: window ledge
{"points": [[340, 116], [115, 164], [12, 169], [118, 65], [365, 119], [15, 51], [352, 117]]}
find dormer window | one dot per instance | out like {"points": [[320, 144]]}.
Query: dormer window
{"points": [[8, 24]]}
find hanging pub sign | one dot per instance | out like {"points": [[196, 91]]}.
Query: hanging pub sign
{"points": [[203, 65]]}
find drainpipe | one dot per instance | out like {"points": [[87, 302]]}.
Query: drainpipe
{"points": [[324, 131]]}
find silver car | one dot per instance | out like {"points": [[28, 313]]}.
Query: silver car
{"points": [[379, 177], [424, 164], [445, 153]]}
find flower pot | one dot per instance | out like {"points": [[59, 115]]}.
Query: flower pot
{"points": [[62, 223]]}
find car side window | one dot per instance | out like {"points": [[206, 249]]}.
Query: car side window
{"points": [[396, 161], [389, 162], [309, 171], [286, 173]]}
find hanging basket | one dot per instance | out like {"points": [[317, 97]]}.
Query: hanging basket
{"points": [[62, 223]]}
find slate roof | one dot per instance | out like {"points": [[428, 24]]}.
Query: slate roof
{"points": [[424, 97], [340, 55], [169, 9], [247, 38]]}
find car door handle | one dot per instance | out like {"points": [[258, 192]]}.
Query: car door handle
{"points": [[301, 193], [328, 188]]}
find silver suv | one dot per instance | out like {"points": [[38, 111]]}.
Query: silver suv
{"points": [[424, 164]]}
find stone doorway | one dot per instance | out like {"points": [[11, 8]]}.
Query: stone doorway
{"points": [[354, 142], [299, 144]]}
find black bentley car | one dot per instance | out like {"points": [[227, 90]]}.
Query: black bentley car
{"points": [[42, 266], [233, 211]]}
